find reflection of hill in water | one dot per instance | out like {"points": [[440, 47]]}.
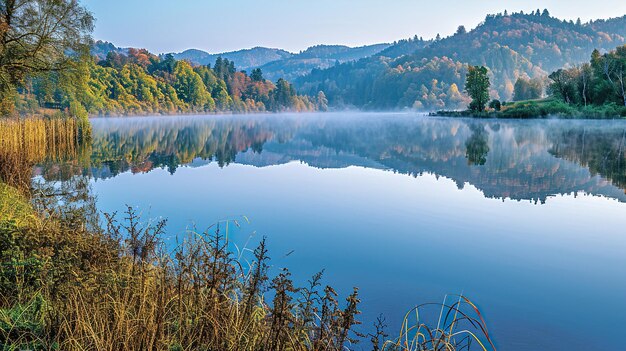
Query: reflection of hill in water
{"points": [[523, 160]]}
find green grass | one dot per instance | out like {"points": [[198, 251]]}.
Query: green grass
{"points": [[544, 108]]}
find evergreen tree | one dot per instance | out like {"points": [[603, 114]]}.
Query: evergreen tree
{"points": [[257, 75]]}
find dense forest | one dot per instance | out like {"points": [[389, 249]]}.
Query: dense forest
{"points": [[50, 66], [138, 82], [429, 74]]}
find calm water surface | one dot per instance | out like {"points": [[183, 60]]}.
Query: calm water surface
{"points": [[527, 218]]}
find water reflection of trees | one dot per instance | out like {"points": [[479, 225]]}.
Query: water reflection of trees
{"points": [[477, 146], [523, 160], [599, 149], [140, 145]]}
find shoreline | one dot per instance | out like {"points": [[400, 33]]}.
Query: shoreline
{"points": [[542, 109]]}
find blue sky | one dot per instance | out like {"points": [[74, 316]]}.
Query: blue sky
{"points": [[225, 25]]}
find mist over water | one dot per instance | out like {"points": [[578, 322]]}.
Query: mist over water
{"points": [[526, 218]]}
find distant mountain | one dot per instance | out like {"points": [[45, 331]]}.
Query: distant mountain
{"points": [[430, 74], [317, 57], [404, 47], [101, 49], [340, 52], [244, 59], [276, 63]]}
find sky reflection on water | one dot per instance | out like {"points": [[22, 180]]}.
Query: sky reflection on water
{"points": [[525, 217]]}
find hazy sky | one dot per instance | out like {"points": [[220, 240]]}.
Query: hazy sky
{"points": [[225, 25]]}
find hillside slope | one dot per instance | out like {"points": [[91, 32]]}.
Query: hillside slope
{"points": [[429, 74]]}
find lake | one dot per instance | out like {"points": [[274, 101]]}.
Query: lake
{"points": [[526, 218]]}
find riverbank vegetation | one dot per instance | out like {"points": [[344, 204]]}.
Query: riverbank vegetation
{"points": [[592, 90]]}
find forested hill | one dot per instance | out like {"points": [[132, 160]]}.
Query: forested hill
{"points": [[430, 74], [101, 49], [134, 81]]}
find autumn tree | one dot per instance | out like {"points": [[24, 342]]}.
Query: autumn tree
{"points": [[477, 87]]}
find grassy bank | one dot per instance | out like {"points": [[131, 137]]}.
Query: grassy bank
{"points": [[546, 108]]}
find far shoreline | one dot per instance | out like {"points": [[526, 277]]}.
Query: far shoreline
{"points": [[541, 109]]}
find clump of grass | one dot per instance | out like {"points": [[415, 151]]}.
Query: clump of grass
{"points": [[460, 326]]}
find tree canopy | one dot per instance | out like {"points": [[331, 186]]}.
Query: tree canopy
{"points": [[601, 81], [477, 87], [39, 36]]}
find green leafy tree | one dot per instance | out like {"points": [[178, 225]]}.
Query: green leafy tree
{"points": [[495, 104], [477, 87], [190, 87], [563, 85], [284, 94], [35, 37]]}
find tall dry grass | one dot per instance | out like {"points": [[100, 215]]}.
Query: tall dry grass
{"points": [[120, 290], [25, 142]]}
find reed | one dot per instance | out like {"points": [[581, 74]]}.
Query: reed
{"points": [[460, 326], [26, 142]]}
